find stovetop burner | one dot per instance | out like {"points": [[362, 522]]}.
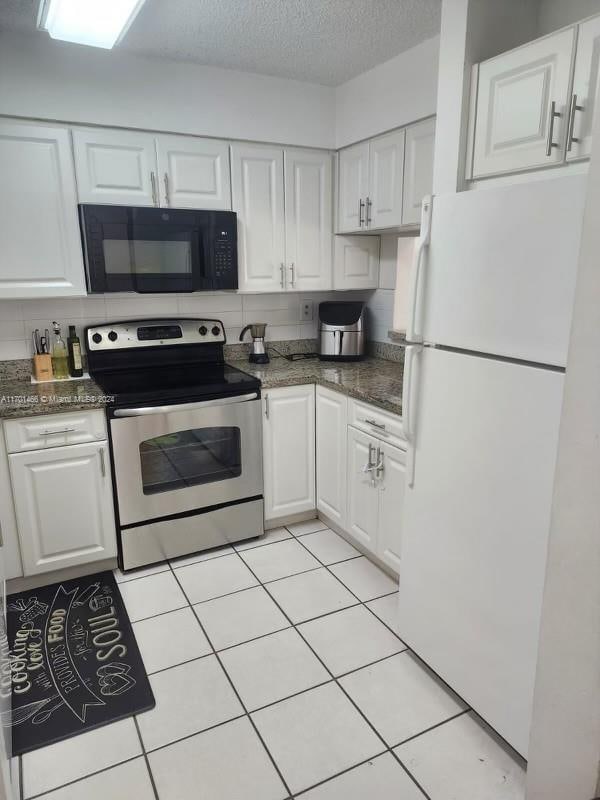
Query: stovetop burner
{"points": [[159, 361]]}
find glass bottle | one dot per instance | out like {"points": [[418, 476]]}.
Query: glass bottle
{"points": [[74, 350], [60, 361]]}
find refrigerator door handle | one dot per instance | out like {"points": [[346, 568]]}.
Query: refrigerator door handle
{"points": [[412, 334], [408, 399]]}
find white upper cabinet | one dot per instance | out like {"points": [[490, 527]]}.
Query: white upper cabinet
{"points": [[418, 169], [381, 182], [585, 84], [257, 184], [193, 173], [39, 230], [522, 106], [353, 169], [356, 262], [386, 170], [308, 220], [115, 167]]}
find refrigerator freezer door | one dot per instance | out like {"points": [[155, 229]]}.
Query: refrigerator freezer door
{"points": [[499, 274], [475, 529]]}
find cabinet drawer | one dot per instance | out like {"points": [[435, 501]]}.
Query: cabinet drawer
{"points": [[378, 423], [54, 430]]}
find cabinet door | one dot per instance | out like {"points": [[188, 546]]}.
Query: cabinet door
{"points": [[332, 421], [585, 84], [386, 169], [257, 186], [308, 220], [363, 492], [117, 167], [418, 169], [391, 503], [64, 508], [356, 262], [514, 97], [39, 230], [353, 187], [289, 450], [193, 173]]}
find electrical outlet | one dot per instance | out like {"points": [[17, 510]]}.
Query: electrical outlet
{"points": [[306, 310]]}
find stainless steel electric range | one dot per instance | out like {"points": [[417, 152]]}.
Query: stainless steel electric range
{"points": [[185, 434]]}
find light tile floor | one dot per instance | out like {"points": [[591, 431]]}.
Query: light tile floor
{"points": [[278, 673]]}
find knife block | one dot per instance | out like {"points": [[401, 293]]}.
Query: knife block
{"points": [[42, 367]]}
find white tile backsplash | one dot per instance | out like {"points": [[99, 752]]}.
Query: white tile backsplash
{"points": [[281, 311]]}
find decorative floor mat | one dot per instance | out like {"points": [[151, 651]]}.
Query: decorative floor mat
{"points": [[75, 664]]}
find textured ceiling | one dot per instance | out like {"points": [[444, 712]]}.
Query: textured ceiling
{"points": [[324, 41]]}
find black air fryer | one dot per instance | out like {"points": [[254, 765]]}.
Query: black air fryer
{"points": [[342, 331]]}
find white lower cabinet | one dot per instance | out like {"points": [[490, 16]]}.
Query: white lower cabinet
{"points": [[376, 481], [289, 450], [63, 506], [363, 495], [391, 502], [332, 421]]}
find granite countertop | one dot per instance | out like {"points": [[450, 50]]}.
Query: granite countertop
{"points": [[21, 398], [373, 380]]}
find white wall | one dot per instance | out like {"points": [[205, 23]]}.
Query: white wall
{"points": [[554, 14], [392, 94], [53, 80]]}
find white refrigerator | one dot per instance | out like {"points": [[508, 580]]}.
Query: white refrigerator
{"points": [[489, 316]]}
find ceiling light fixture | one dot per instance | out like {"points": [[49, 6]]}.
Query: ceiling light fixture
{"points": [[97, 23]]}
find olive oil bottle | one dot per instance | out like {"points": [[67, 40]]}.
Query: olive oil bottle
{"points": [[60, 365], [74, 349]]}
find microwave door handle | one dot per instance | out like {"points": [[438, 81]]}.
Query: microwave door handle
{"points": [[149, 410]]}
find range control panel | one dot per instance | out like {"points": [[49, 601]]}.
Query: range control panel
{"points": [[154, 333]]}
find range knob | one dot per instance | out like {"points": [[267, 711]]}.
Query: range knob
{"points": [[216, 330], [113, 336], [202, 330], [97, 338]]}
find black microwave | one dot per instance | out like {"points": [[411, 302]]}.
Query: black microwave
{"points": [[140, 249]]}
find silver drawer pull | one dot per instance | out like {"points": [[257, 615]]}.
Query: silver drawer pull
{"points": [[56, 433], [375, 424]]}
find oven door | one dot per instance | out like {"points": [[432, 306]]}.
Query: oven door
{"points": [[176, 459]]}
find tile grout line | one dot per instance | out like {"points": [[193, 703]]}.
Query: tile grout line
{"points": [[145, 755], [242, 704], [390, 750], [334, 679], [82, 778]]}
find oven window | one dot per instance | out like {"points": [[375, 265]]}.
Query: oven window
{"points": [[147, 257], [190, 458]]}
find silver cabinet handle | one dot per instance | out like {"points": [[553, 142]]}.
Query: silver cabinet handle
{"points": [[368, 205], [150, 410], [550, 143], [292, 274], [282, 275], [361, 206], [153, 182], [267, 406], [167, 198], [379, 467], [574, 108], [57, 433], [375, 424], [369, 466], [102, 463]]}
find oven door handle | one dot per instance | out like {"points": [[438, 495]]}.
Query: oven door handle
{"points": [[148, 410]]}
